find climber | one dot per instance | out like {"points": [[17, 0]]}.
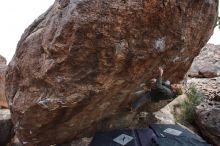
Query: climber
{"points": [[159, 90]]}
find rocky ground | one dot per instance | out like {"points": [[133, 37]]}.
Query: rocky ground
{"points": [[205, 75], [208, 112]]}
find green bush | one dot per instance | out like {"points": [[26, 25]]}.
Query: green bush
{"points": [[188, 107]]}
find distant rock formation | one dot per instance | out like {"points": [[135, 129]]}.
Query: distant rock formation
{"points": [[205, 76], [207, 63], [3, 67], [77, 64], [3, 60]]}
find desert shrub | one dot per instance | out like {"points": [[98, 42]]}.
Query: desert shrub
{"points": [[188, 107]]}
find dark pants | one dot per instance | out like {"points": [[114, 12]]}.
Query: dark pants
{"points": [[142, 98]]}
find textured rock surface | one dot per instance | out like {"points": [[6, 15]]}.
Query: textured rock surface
{"points": [[209, 86], [14, 142], [208, 120], [166, 115], [3, 67], [203, 74], [80, 142], [208, 112], [2, 60], [5, 126], [76, 65], [207, 63]]}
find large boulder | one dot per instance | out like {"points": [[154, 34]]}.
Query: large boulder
{"points": [[207, 63], [77, 64], [3, 67]]}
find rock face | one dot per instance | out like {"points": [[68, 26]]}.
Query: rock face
{"points": [[207, 64], [3, 67], [2, 60], [166, 115], [208, 112], [5, 126], [77, 64], [208, 120]]}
